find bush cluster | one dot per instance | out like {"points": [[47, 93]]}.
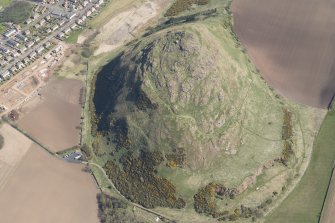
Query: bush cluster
{"points": [[287, 134], [181, 5], [137, 180], [113, 210]]}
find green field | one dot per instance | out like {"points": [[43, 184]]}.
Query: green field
{"points": [[4, 3], [74, 36], [17, 12], [305, 202], [2, 28]]}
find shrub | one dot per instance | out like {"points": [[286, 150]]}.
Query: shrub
{"points": [[181, 5]]}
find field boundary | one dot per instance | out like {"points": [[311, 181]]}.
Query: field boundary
{"points": [[30, 137], [327, 193]]}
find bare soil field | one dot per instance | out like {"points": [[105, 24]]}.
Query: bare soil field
{"points": [[15, 147], [292, 44], [53, 118], [45, 189], [122, 28]]}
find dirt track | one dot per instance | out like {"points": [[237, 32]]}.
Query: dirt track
{"points": [[292, 43]]}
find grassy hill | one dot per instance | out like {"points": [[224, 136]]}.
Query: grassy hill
{"points": [[183, 120]]}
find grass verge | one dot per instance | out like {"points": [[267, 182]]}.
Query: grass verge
{"points": [[305, 202], [73, 38]]}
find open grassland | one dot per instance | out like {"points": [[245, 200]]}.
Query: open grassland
{"points": [[2, 28], [4, 3], [46, 189], [53, 119], [112, 8], [305, 202], [17, 12], [328, 210], [73, 38], [292, 45]]}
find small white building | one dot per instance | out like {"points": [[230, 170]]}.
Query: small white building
{"points": [[67, 31], [79, 21], [88, 13], [55, 27], [35, 16], [26, 61], [61, 35], [47, 18], [42, 22], [21, 37], [74, 26], [47, 44], [15, 54], [4, 50], [40, 50], [57, 49], [22, 49], [28, 21], [5, 74], [9, 33], [61, 22], [29, 45], [12, 43], [26, 32], [19, 65], [13, 70], [71, 16], [32, 55]]}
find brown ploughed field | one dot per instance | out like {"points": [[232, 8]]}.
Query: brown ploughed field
{"points": [[53, 120], [15, 148], [44, 189], [292, 43]]}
